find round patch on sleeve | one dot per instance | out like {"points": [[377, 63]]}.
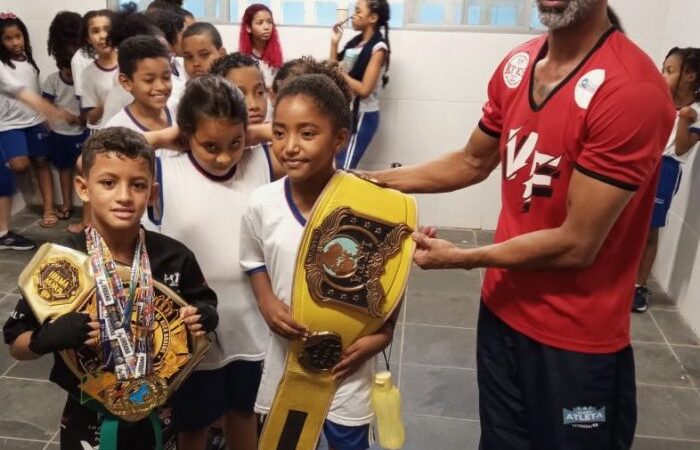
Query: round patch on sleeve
{"points": [[514, 70], [587, 86]]}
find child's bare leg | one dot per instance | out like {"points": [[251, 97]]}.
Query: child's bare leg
{"points": [[193, 440], [241, 430]]}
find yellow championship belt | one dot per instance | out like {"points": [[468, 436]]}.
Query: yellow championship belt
{"points": [[351, 273], [58, 280]]}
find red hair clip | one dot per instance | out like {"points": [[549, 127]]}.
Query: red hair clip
{"points": [[7, 15]]}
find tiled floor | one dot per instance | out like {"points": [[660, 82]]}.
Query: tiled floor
{"points": [[433, 359]]}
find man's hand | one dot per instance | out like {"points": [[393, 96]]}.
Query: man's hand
{"points": [[279, 319], [433, 253]]}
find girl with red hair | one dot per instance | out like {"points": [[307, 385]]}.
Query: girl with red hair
{"points": [[260, 40]]}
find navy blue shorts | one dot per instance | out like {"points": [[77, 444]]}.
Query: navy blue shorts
{"points": [[342, 437], [30, 141], [65, 149], [669, 181], [7, 181], [208, 394], [367, 125], [536, 397]]}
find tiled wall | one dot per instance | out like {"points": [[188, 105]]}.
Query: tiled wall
{"points": [[676, 265]]}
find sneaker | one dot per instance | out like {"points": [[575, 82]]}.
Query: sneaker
{"points": [[13, 241], [641, 298]]}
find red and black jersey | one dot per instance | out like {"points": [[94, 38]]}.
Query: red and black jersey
{"points": [[609, 119]]}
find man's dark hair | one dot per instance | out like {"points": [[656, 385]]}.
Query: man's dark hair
{"points": [[121, 141]]}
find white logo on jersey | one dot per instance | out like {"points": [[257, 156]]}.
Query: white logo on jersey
{"points": [[542, 167], [587, 86], [514, 70], [172, 279]]}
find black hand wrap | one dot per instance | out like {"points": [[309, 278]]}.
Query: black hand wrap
{"points": [[209, 318], [67, 332]]}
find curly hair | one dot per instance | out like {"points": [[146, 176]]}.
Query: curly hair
{"points": [[236, 60], [210, 96], [5, 55], [308, 65], [273, 51], [690, 63], [124, 142], [85, 29], [137, 48], [324, 93], [169, 22], [64, 37], [128, 22]]}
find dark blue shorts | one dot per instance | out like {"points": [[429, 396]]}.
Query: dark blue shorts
{"points": [[533, 396], [7, 181], [669, 181], [342, 437], [65, 149], [208, 394], [30, 141]]}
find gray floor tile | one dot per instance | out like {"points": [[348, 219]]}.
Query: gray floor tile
{"points": [[8, 276], [24, 219], [7, 305], [38, 369], [440, 346], [31, 409], [459, 236], [16, 444], [644, 329], [53, 446], [436, 308], [641, 443], [41, 235], [690, 359], [659, 298], [439, 391], [452, 281], [16, 256], [655, 364], [484, 237], [675, 328], [427, 432], [668, 412]]}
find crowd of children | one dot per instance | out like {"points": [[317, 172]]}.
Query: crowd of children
{"points": [[245, 144], [128, 74]]}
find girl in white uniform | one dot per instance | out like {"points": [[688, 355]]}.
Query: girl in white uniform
{"points": [[204, 191]]}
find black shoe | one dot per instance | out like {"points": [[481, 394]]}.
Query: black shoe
{"points": [[13, 241], [641, 298]]}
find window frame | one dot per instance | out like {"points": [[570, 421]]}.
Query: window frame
{"points": [[276, 7]]}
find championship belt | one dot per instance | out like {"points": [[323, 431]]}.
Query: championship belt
{"points": [[350, 275], [58, 280]]}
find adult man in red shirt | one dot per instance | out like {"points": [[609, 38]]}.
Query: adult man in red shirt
{"points": [[579, 145]]}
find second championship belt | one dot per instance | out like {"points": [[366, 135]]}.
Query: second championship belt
{"points": [[58, 280], [351, 273]]}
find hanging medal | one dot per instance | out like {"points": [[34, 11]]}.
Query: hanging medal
{"points": [[125, 319]]}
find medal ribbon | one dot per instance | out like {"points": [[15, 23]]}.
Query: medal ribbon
{"points": [[125, 321]]}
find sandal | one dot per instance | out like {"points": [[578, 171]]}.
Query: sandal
{"points": [[49, 219], [64, 213]]}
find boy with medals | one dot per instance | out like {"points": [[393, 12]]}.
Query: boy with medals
{"points": [[118, 181]]}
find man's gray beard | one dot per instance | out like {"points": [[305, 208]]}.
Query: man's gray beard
{"points": [[574, 12]]}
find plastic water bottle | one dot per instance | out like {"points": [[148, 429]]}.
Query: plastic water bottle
{"points": [[386, 401]]}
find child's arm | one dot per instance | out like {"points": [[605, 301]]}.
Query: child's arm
{"points": [[369, 80], [275, 312], [94, 114], [29, 340], [685, 138], [335, 40], [200, 316], [365, 348]]}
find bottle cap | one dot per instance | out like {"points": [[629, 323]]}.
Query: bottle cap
{"points": [[382, 378]]}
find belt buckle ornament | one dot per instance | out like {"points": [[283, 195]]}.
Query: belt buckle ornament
{"points": [[320, 351], [346, 259]]}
